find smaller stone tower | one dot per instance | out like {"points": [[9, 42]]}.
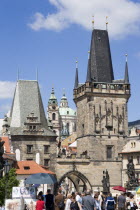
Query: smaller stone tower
{"points": [[53, 113]]}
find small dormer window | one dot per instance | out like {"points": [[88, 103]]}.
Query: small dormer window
{"points": [[26, 167]]}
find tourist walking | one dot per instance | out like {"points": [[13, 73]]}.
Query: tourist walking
{"points": [[133, 205], [103, 204], [121, 202], [97, 202], [74, 204], [68, 202], [79, 199], [110, 202], [88, 201], [49, 200], [40, 204], [59, 201]]}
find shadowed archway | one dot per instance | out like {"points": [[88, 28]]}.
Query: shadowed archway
{"points": [[76, 179]]}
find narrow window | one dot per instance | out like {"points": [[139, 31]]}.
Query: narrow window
{"points": [[74, 127], [83, 128], [29, 149], [30, 127], [53, 116], [46, 149], [46, 162], [68, 125], [109, 152], [138, 159], [34, 127]]}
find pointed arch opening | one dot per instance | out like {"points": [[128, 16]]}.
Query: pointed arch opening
{"points": [[74, 181]]}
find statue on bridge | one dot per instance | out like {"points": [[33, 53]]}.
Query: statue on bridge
{"points": [[106, 182], [132, 180]]}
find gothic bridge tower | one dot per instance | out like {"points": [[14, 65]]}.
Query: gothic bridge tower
{"points": [[102, 124]]}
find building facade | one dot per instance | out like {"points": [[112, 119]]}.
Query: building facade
{"points": [[30, 136]]}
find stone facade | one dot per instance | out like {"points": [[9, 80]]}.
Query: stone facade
{"points": [[30, 135], [38, 144]]}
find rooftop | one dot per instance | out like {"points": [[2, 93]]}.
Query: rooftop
{"points": [[30, 167]]}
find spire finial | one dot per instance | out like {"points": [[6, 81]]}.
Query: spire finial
{"points": [[36, 74], [63, 91], [88, 79], [126, 56], [76, 63], [107, 23], [52, 88], [126, 77], [93, 22]]}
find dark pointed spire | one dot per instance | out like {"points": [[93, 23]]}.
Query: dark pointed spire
{"points": [[126, 77], [88, 79], [76, 77], [100, 57]]}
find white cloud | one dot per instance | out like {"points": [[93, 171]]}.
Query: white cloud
{"points": [[6, 89], [123, 16]]}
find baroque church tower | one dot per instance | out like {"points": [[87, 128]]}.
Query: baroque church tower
{"points": [[53, 113], [102, 124]]}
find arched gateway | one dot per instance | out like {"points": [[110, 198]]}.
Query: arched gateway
{"points": [[74, 179]]}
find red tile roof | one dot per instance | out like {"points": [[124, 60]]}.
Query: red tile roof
{"points": [[6, 144], [30, 167], [138, 131]]}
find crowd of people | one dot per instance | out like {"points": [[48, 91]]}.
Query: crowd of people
{"points": [[85, 201]]}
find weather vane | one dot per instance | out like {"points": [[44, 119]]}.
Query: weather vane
{"points": [[93, 22], [126, 55], [76, 62], [107, 23]]}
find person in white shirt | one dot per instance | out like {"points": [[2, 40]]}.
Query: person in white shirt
{"points": [[68, 202]]}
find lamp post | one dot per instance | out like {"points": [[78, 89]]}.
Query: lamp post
{"points": [[6, 171]]}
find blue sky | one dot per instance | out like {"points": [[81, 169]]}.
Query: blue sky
{"points": [[50, 34]]}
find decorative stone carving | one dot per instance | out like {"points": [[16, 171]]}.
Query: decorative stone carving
{"points": [[97, 124], [120, 124], [109, 118]]}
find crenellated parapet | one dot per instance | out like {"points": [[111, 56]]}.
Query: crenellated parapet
{"points": [[102, 89]]}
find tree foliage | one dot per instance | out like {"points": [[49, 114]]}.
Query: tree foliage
{"points": [[6, 183]]}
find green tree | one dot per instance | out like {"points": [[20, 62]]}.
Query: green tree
{"points": [[6, 183]]}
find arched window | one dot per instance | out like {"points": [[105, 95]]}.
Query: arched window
{"points": [[68, 125], [53, 116], [74, 127]]}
